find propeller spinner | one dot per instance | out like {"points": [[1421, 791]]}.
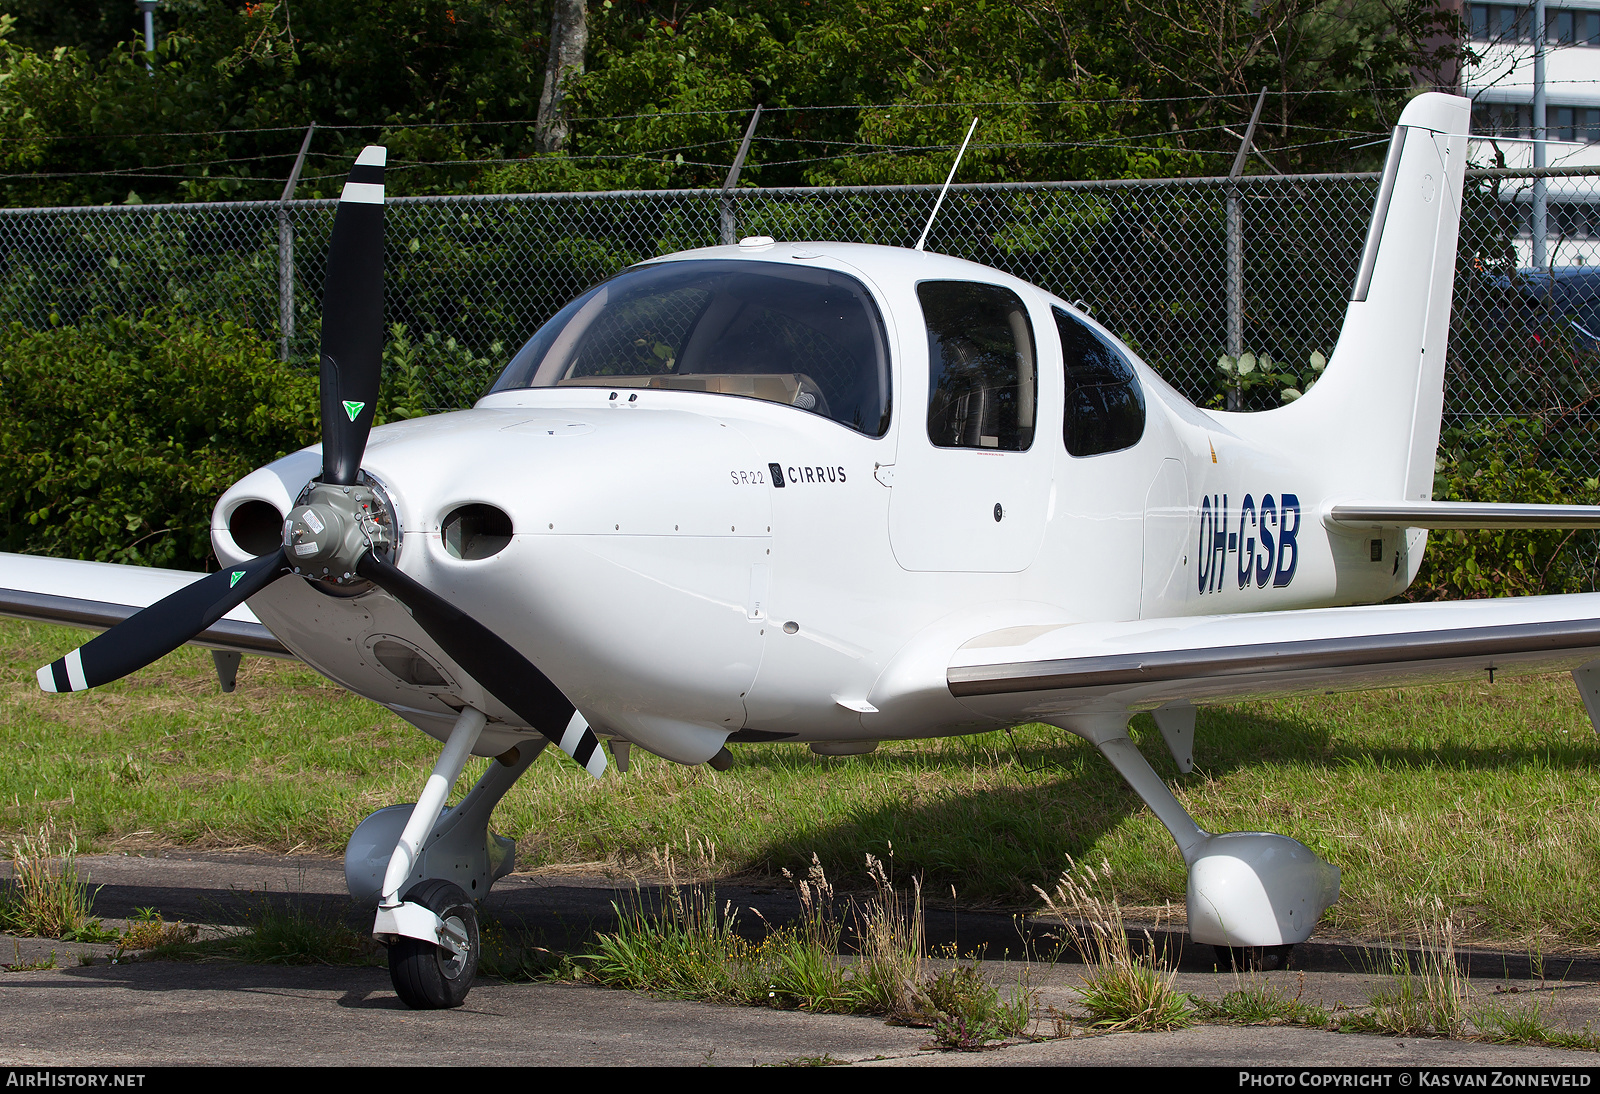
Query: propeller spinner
{"points": [[342, 533]]}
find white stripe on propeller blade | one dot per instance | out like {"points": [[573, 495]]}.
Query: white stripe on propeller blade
{"points": [[573, 736], [362, 193]]}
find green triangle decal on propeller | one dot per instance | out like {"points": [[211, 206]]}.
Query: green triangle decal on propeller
{"points": [[234, 578], [353, 409]]}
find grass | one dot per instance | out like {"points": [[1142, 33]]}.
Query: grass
{"points": [[46, 899], [1122, 989], [690, 947], [1259, 1002], [275, 931], [148, 930], [969, 1013], [1529, 1025], [1478, 796], [19, 965], [1423, 992]]}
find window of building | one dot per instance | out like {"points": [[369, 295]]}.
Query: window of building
{"points": [[1579, 124], [1573, 123], [1500, 22], [1505, 23], [1572, 28], [1503, 119], [981, 370]]}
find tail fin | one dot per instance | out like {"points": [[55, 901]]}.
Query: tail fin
{"points": [[1378, 405]]}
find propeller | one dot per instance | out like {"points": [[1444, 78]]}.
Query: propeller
{"points": [[352, 320], [341, 533], [162, 627]]}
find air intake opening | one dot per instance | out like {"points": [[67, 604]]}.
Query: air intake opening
{"points": [[476, 531], [408, 665], [257, 527]]}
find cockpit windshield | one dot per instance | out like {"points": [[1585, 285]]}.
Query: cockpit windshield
{"points": [[803, 336]]}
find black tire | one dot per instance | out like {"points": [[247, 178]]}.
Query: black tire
{"points": [[427, 976], [1252, 958]]}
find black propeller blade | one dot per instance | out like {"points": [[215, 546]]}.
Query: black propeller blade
{"points": [[162, 627], [352, 353], [352, 320], [492, 661]]}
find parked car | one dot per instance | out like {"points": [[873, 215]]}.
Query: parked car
{"points": [[1561, 302]]}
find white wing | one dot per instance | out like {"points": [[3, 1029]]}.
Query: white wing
{"points": [[1053, 671], [99, 595]]}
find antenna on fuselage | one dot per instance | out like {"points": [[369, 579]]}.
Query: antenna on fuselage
{"points": [[946, 189]]}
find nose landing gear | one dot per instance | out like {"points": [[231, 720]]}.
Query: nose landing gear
{"points": [[432, 934], [437, 975]]}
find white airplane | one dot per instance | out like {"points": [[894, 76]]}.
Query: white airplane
{"points": [[838, 494]]}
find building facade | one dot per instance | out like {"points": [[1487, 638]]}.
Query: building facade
{"points": [[1499, 78]]}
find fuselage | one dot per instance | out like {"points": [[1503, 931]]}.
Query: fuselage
{"points": [[691, 564]]}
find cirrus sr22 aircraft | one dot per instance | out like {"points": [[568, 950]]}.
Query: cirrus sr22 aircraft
{"points": [[837, 494]]}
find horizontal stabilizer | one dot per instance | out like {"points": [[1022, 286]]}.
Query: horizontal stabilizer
{"points": [[1459, 514]]}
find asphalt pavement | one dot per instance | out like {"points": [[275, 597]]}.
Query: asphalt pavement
{"points": [[88, 1012]]}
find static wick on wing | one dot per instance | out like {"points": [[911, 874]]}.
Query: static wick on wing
{"points": [[923, 238]]}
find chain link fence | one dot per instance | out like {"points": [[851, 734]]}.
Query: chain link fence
{"points": [[471, 278]]}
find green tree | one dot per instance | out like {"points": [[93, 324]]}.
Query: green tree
{"points": [[856, 93]]}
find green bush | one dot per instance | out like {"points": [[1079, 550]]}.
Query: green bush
{"points": [[1513, 460], [117, 437]]}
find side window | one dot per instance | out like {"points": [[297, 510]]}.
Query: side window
{"points": [[981, 371], [1104, 407]]}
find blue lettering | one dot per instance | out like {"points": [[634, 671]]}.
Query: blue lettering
{"points": [[1264, 564], [1288, 548], [1202, 556], [1247, 548], [1219, 542]]}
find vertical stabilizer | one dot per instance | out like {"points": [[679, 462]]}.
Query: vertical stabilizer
{"points": [[1379, 402]]}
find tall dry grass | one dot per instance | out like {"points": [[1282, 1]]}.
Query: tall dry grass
{"points": [[1122, 989]]}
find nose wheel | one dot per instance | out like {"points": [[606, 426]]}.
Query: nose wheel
{"points": [[429, 976]]}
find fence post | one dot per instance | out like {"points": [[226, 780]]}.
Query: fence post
{"points": [[1235, 289], [286, 251], [730, 223], [1540, 228], [285, 282], [1235, 271]]}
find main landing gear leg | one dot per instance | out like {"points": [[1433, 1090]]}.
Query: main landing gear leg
{"points": [[432, 933], [1252, 895]]}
